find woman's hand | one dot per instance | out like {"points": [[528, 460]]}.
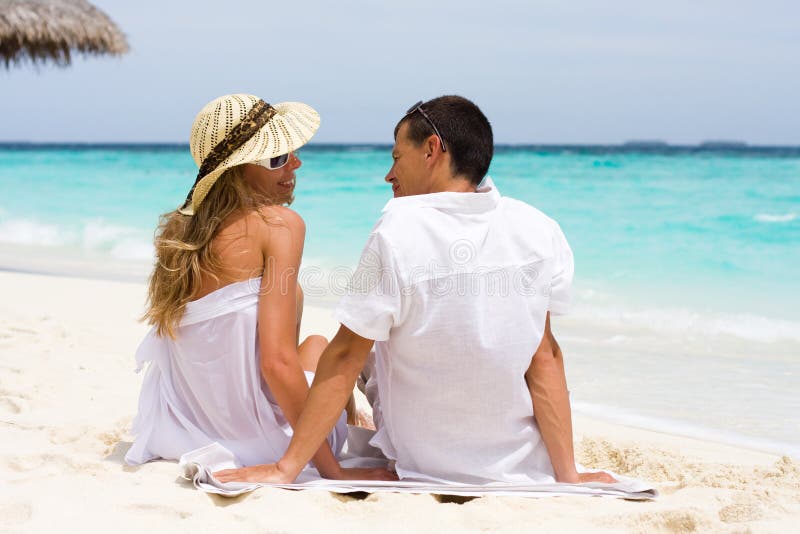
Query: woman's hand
{"points": [[600, 476], [584, 478]]}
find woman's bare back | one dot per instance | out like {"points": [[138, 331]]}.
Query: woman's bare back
{"points": [[240, 248]]}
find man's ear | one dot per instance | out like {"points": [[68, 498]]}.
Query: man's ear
{"points": [[432, 146]]}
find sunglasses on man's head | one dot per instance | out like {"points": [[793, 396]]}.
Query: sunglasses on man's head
{"points": [[274, 163], [418, 107]]}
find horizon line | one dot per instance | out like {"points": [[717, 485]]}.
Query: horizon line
{"points": [[630, 145]]}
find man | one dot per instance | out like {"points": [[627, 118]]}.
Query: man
{"points": [[455, 289]]}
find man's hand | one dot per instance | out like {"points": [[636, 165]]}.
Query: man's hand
{"points": [[258, 473], [272, 473]]}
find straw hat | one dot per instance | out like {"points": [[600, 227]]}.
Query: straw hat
{"points": [[236, 129]]}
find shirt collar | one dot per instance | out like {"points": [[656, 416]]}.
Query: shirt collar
{"points": [[485, 198]]}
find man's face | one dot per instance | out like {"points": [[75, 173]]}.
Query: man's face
{"points": [[409, 174]]}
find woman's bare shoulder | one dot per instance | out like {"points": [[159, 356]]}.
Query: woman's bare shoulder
{"points": [[277, 226], [281, 216]]}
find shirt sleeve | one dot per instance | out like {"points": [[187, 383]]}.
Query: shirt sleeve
{"points": [[371, 304], [563, 271]]}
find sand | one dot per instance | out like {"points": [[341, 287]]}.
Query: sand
{"points": [[68, 394]]}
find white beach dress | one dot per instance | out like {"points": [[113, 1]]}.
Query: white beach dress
{"points": [[206, 386]]}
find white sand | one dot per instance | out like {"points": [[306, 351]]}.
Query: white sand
{"points": [[68, 394]]}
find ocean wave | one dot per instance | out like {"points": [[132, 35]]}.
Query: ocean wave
{"points": [[769, 218], [687, 322], [28, 232], [94, 235]]}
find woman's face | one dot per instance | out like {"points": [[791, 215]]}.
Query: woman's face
{"points": [[277, 184]]}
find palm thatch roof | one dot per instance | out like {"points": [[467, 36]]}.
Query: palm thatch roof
{"points": [[42, 30]]}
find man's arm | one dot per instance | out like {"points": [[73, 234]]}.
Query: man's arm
{"points": [[338, 368], [547, 384]]}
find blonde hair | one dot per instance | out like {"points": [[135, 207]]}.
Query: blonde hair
{"points": [[183, 249]]}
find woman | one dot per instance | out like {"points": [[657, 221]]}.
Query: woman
{"points": [[225, 364]]}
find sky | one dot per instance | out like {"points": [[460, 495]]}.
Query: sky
{"points": [[578, 71]]}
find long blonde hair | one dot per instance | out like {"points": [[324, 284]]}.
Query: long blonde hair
{"points": [[184, 253]]}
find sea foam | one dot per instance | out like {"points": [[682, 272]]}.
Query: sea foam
{"points": [[686, 322], [769, 218], [93, 235], [28, 232]]}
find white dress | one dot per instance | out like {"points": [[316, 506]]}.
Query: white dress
{"points": [[206, 386]]}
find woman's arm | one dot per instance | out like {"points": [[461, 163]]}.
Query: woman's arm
{"points": [[282, 248]]}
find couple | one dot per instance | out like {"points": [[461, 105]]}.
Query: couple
{"points": [[454, 290]]}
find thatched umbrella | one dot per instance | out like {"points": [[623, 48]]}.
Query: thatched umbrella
{"points": [[41, 30]]}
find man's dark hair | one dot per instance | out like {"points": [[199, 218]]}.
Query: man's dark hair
{"points": [[465, 131]]}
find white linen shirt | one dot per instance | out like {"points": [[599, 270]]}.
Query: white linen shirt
{"points": [[455, 289]]}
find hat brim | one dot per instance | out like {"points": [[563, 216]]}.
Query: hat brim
{"points": [[292, 126]]}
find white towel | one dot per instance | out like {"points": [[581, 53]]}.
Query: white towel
{"points": [[199, 464]]}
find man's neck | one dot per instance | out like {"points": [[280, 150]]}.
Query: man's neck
{"points": [[452, 184]]}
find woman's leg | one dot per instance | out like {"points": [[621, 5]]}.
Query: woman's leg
{"points": [[309, 352]]}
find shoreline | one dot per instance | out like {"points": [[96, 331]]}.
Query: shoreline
{"points": [[68, 394]]}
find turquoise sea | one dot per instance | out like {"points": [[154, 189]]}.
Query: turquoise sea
{"points": [[687, 290]]}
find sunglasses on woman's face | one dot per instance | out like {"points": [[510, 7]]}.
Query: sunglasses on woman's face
{"points": [[274, 163]]}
